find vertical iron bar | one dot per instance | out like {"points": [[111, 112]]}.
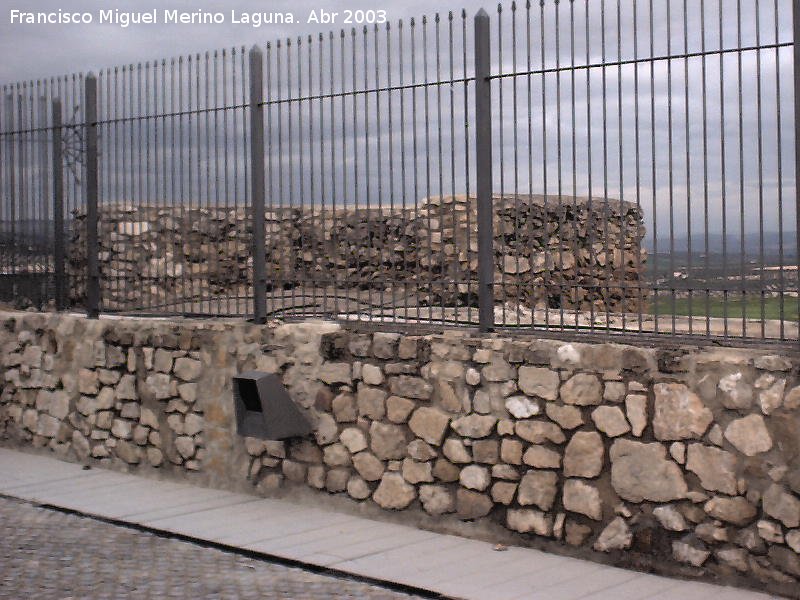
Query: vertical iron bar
{"points": [[591, 292], [740, 81], [378, 116], [637, 131], [559, 170], [796, 75], [466, 163], [706, 264], [723, 178], [12, 185], [368, 190], [58, 208], [778, 102], [92, 249], [760, 162], [483, 171], [575, 290], [671, 163], [620, 282], [403, 182], [687, 148], [257, 184], [604, 290], [501, 154], [653, 173]]}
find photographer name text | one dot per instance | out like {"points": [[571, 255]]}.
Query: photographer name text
{"points": [[165, 16]]}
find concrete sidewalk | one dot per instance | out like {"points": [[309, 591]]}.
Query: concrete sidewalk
{"points": [[442, 564]]}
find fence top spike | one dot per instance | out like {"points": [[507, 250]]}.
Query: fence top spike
{"points": [[481, 14], [514, 6], [365, 30], [436, 17], [310, 39], [499, 8], [449, 15], [413, 22], [424, 19]]}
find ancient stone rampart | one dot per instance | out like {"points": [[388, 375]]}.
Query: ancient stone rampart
{"points": [[570, 253]]}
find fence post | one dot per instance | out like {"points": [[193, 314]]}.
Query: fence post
{"points": [[483, 172], [58, 208], [12, 188], [92, 246], [257, 184]]}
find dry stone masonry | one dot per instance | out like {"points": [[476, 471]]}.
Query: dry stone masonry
{"points": [[680, 460], [565, 252], [127, 399]]}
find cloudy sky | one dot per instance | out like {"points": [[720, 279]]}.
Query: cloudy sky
{"points": [[714, 168], [45, 50]]}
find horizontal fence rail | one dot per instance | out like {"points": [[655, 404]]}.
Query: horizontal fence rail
{"points": [[613, 167]]}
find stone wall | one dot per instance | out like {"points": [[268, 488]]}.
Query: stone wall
{"points": [[573, 253], [678, 460]]}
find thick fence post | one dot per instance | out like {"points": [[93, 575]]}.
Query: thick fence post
{"points": [[59, 258], [483, 172], [12, 188], [257, 184], [92, 246]]}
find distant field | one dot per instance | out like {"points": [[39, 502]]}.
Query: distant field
{"points": [[716, 308]]}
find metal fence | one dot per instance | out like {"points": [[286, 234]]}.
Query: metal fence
{"points": [[41, 163], [613, 166]]}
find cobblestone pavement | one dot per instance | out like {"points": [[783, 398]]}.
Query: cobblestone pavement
{"points": [[47, 554]]}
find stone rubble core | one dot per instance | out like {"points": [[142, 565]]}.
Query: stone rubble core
{"points": [[650, 455], [550, 252]]}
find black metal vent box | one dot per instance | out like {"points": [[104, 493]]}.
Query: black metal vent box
{"points": [[264, 408]]}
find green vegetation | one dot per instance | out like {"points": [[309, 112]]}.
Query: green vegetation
{"points": [[715, 307]]}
